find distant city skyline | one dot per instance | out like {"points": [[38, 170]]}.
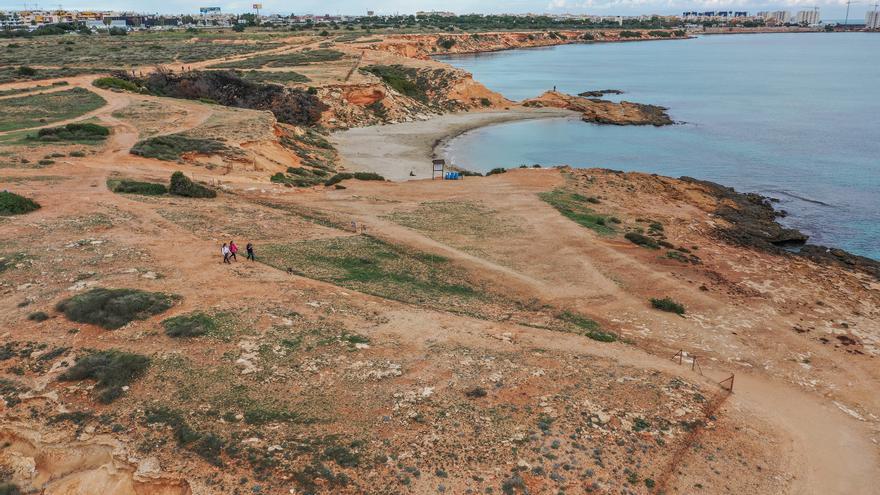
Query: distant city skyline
{"points": [[830, 9]]}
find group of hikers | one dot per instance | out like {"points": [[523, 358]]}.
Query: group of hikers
{"points": [[228, 251]]}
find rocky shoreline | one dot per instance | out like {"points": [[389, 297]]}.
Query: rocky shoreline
{"points": [[753, 223]]}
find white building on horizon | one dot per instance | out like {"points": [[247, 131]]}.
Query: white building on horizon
{"points": [[808, 17], [872, 19], [780, 16]]}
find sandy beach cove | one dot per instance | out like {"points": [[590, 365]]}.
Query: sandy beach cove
{"points": [[396, 150]]}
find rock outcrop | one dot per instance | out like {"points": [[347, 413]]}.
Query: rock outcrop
{"points": [[751, 221], [604, 111]]}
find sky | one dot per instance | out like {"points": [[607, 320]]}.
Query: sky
{"points": [[830, 9]]}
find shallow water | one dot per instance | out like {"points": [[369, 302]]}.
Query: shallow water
{"points": [[792, 116]]}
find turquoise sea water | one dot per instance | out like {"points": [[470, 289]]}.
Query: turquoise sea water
{"points": [[792, 116]]}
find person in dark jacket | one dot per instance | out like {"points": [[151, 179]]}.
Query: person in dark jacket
{"points": [[250, 252]]}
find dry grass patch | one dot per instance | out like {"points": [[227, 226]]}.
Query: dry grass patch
{"points": [[35, 110], [376, 267]]}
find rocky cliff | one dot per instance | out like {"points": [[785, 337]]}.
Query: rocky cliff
{"points": [[399, 93], [427, 45]]}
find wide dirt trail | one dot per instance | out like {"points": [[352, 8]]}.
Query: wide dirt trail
{"points": [[832, 451]]}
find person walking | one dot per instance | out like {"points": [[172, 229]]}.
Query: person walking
{"points": [[232, 250], [250, 252], [225, 252]]}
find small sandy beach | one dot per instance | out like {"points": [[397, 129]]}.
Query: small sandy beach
{"points": [[395, 150]]}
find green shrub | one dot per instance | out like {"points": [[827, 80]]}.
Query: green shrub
{"points": [[111, 369], [38, 316], [26, 71], [113, 308], [587, 327], [189, 325], [207, 445], [446, 43], [402, 79], [181, 185], [630, 34], [494, 171], [601, 336], [77, 154], [357, 175], [575, 207], [667, 304], [72, 132], [9, 489], [13, 204], [116, 83], [641, 240], [136, 187], [173, 146], [342, 455], [368, 176]]}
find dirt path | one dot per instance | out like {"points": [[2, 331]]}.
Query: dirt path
{"points": [[557, 262], [549, 259]]}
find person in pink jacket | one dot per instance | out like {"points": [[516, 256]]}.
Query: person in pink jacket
{"points": [[232, 250]]}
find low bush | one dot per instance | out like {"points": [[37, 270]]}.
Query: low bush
{"points": [[576, 207], [72, 132], [446, 43], [357, 175], [207, 445], [667, 304], [181, 185], [38, 316], [402, 79], [494, 171], [10, 489], [630, 34], [136, 187], [641, 240], [172, 147], [13, 204], [476, 393], [587, 326], [113, 308], [111, 369], [189, 325], [116, 83]]}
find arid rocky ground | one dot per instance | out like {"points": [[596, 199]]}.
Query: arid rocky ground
{"points": [[489, 335]]}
